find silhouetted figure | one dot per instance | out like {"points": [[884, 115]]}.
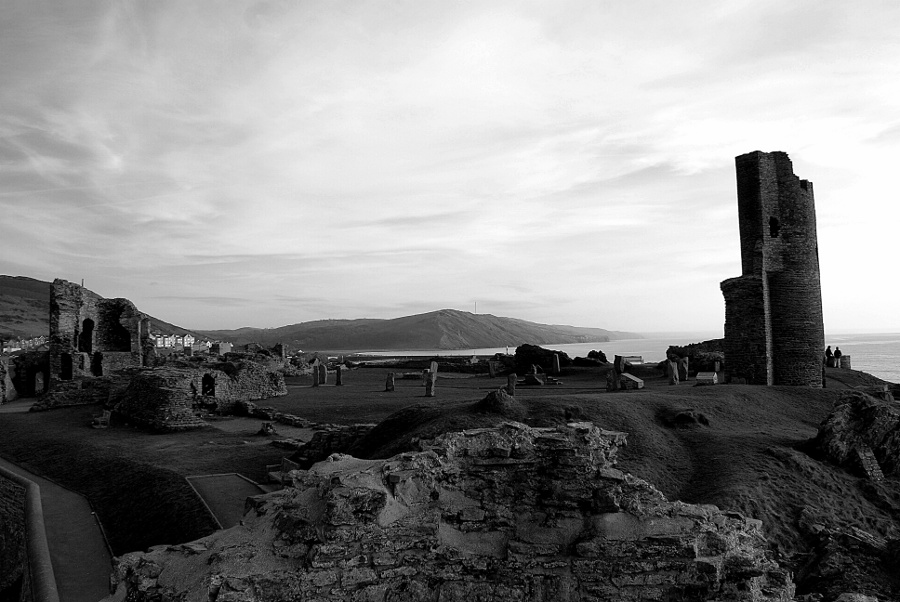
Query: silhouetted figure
{"points": [[837, 353], [829, 357]]}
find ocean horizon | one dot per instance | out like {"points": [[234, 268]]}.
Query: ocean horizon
{"points": [[875, 353]]}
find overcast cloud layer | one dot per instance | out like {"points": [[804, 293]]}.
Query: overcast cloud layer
{"points": [[227, 164]]}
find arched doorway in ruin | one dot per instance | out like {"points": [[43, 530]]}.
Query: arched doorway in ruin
{"points": [[86, 338], [208, 385]]}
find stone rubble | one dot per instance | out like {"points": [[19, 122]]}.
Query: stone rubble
{"points": [[862, 434], [512, 513]]}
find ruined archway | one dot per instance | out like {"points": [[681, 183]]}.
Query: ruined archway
{"points": [[86, 338], [208, 385]]}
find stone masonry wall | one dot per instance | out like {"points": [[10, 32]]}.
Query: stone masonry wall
{"points": [[7, 389], [507, 514], [92, 336], [12, 532], [745, 332], [168, 398], [779, 247]]}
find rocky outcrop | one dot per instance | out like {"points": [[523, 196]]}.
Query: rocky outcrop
{"points": [[532, 355], [512, 513], [862, 434]]}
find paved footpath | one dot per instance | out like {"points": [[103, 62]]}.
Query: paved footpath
{"points": [[81, 560]]}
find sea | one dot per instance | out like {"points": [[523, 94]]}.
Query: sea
{"points": [[877, 354]]}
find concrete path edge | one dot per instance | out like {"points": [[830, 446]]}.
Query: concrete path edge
{"points": [[40, 569]]}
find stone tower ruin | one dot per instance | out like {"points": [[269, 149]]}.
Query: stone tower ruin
{"points": [[92, 336], [774, 334]]}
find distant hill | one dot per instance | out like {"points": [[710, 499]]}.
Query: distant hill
{"points": [[442, 329], [25, 313], [25, 310]]}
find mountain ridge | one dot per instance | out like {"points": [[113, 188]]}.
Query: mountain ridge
{"points": [[439, 329], [25, 310]]}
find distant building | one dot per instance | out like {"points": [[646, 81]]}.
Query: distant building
{"points": [[220, 348]]}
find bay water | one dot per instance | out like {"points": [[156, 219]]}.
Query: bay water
{"points": [[877, 354]]}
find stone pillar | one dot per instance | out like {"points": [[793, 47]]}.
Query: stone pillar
{"points": [[337, 376], [556, 368], [323, 374], [429, 384], [845, 362], [672, 372], [511, 383], [425, 376], [434, 367], [492, 368], [683, 369], [389, 382]]}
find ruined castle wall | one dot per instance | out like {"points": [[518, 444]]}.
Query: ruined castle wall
{"points": [[8, 391], [89, 334], [745, 331], [507, 514], [779, 249], [169, 398], [798, 334]]}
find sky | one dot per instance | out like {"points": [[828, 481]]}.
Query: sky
{"points": [[246, 163]]}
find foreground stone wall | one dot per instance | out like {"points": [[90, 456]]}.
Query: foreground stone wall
{"points": [[774, 331], [12, 533], [513, 513]]}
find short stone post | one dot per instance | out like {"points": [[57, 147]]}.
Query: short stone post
{"points": [[845, 362], [429, 384], [612, 382], [556, 368], [511, 383], [315, 372], [683, 369], [337, 376], [492, 368], [323, 374], [424, 376], [434, 367], [672, 372], [389, 382]]}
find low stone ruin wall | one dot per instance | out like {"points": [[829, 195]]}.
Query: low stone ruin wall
{"points": [[169, 398], [332, 439], [507, 514], [82, 392]]}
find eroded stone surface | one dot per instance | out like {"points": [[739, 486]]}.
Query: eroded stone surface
{"points": [[862, 434], [512, 513]]}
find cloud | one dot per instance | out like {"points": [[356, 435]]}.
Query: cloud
{"points": [[359, 157]]}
